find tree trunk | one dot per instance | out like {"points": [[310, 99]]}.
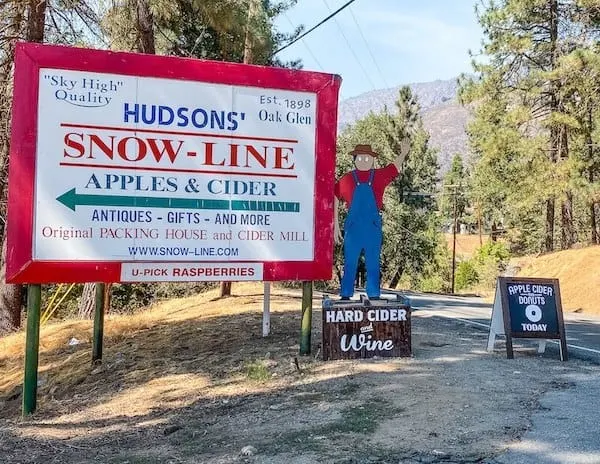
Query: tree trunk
{"points": [[554, 132], [594, 224], [591, 171], [36, 21], [549, 238], [87, 302], [252, 10], [107, 298], [11, 296], [5, 108], [568, 238], [145, 27], [225, 289], [593, 212], [11, 299], [396, 279]]}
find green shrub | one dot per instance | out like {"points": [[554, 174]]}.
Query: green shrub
{"points": [[436, 275], [434, 283], [466, 275], [496, 252], [258, 371]]}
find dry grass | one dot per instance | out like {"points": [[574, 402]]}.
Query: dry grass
{"points": [[192, 380], [466, 245], [141, 350], [578, 272]]}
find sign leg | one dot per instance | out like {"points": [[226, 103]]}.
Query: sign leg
{"points": [[563, 348], [542, 347], [266, 326], [509, 347], [307, 296], [491, 341], [98, 323], [32, 344]]}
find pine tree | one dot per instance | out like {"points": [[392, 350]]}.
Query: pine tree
{"points": [[519, 96], [580, 73]]}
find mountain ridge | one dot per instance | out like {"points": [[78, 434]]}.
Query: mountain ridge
{"points": [[443, 117]]}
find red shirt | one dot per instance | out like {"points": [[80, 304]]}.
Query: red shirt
{"points": [[344, 188]]}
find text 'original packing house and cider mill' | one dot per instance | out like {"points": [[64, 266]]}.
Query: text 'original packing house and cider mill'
{"points": [[130, 167]]}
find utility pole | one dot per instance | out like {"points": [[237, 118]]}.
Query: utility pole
{"points": [[454, 241], [479, 223], [454, 227]]}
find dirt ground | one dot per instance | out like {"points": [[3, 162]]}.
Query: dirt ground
{"points": [[193, 381]]}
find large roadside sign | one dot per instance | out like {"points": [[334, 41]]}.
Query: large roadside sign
{"points": [[128, 167]]}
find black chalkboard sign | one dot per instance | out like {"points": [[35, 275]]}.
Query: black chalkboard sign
{"points": [[527, 308]]}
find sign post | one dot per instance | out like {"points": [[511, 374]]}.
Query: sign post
{"points": [[306, 328], [128, 167], [527, 308], [32, 343], [98, 323], [266, 322]]}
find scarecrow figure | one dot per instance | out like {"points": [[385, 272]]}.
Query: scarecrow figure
{"points": [[362, 191]]}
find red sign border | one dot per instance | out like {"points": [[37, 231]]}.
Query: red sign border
{"points": [[30, 57]]}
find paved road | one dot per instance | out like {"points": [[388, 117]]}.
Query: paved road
{"points": [[565, 428], [583, 333]]}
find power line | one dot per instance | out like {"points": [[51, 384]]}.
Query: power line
{"points": [[351, 49], [305, 44], [368, 48], [313, 28]]}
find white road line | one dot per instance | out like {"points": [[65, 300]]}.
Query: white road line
{"points": [[472, 322], [591, 350], [577, 347]]}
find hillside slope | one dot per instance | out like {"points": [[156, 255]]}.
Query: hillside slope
{"points": [[578, 272]]}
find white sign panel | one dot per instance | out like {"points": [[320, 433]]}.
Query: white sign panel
{"points": [[184, 272], [148, 169]]}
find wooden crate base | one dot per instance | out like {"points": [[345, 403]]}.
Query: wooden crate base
{"points": [[366, 329]]}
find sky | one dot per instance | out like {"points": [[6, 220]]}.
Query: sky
{"points": [[409, 40]]}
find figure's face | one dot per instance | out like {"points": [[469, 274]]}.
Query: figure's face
{"points": [[364, 162]]}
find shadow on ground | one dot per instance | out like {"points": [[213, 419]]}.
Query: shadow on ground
{"points": [[201, 388]]}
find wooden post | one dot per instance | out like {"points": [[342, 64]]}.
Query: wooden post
{"points": [[32, 344], [305, 335], [98, 323], [267, 310], [479, 224]]}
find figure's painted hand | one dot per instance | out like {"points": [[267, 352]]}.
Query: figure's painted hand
{"points": [[404, 150]]}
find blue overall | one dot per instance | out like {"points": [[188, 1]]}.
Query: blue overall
{"points": [[362, 231]]}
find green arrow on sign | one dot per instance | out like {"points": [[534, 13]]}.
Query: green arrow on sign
{"points": [[277, 206], [72, 199]]}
